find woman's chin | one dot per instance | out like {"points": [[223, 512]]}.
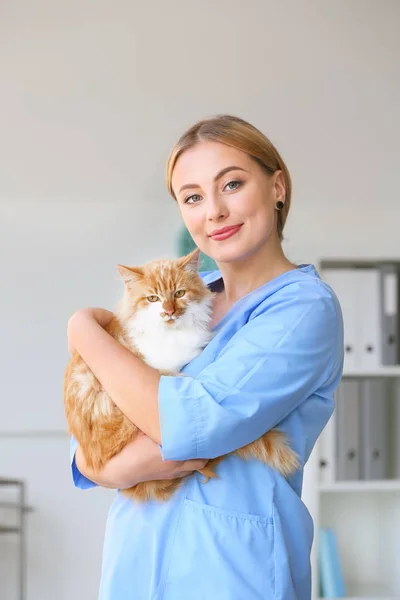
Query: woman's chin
{"points": [[228, 255]]}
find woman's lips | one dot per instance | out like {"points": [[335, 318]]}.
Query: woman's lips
{"points": [[224, 233]]}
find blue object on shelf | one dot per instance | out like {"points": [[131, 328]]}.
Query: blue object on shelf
{"points": [[330, 570], [187, 245]]}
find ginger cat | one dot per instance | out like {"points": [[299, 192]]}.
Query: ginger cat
{"points": [[163, 318]]}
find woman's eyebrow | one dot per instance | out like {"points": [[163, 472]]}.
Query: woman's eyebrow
{"points": [[218, 176]]}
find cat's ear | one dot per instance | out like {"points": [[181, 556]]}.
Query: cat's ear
{"points": [[191, 261], [130, 274]]}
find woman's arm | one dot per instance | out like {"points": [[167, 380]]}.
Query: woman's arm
{"points": [[286, 359], [282, 358], [131, 383], [102, 478], [139, 461]]}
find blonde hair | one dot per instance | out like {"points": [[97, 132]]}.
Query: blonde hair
{"points": [[239, 134]]}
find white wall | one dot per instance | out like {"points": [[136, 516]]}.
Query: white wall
{"points": [[92, 96], [64, 531]]}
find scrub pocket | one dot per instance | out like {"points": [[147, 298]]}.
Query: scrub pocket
{"points": [[221, 555]]}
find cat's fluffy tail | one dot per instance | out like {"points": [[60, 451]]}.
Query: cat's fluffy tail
{"points": [[273, 449]]}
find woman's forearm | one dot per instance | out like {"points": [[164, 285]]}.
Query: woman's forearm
{"points": [[83, 468], [118, 473], [131, 384], [138, 461]]}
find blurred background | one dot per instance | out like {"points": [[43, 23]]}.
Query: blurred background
{"points": [[93, 95]]}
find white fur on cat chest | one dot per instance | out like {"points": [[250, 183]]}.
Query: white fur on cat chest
{"points": [[171, 347]]}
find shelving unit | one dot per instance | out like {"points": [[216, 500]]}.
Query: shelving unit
{"points": [[380, 372], [387, 485], [364, 514], [20, 508]]}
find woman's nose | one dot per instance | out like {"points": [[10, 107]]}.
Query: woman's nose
{"points": [[216, 209]]}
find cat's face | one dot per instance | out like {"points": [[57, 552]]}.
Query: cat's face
{"points": [[170, 292]]}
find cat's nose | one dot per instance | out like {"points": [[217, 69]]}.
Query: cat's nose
{"points": [[169, 311]]}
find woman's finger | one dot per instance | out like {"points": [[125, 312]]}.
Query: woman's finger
{"points": [[188, 467], [193, 465], [179, 475]]}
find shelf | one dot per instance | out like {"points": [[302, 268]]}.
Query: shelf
{"points": [[16, 505], [378, 372], [9, 529], [387, 485], [6, 481], [369, 592]]}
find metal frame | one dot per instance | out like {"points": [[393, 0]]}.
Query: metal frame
{"points": [[19, 528]]}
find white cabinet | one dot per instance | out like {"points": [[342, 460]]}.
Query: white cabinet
{"points": [[363, 513], [365, 516]]}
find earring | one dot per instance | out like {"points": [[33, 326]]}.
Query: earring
{"points": [[279, 205]]}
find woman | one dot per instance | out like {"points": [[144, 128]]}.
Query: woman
{"points": [[276, 360]]}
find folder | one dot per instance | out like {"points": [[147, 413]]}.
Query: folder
{"points": [[326, 451], [396, 429], [369, 298], [330, 570], [374, 428], [389, 308], [343, 281], [369, 281], [348, 430]]}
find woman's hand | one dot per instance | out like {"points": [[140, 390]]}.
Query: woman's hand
{"points": [[149, 464], [100, 315], [139, 461]]}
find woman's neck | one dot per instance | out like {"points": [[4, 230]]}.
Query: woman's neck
{"points": [[241, 278]]}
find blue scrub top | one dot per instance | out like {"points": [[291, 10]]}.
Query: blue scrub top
{"points": [[276, 360]]}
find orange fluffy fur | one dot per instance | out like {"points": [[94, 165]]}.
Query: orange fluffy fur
{"points": [[98, 425]]}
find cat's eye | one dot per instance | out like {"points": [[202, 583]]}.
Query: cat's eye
{"points": [[153, 298], [179, 293]]}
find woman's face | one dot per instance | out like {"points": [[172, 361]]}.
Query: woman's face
{"points": [[227, 201]]}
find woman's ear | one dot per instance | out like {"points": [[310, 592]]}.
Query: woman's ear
{"points": [[279, 186]]}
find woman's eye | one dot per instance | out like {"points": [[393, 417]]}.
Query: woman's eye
{"points": [[233, 185], [179, 293], [192, 199], [153, 298]]}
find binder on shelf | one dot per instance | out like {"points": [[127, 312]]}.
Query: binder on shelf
{"points": [[368, 281], [348, 430], [389, 309], [396, 430], [331, 577], [374, 428], [369, 298], [326, 451], [344, 284]]}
